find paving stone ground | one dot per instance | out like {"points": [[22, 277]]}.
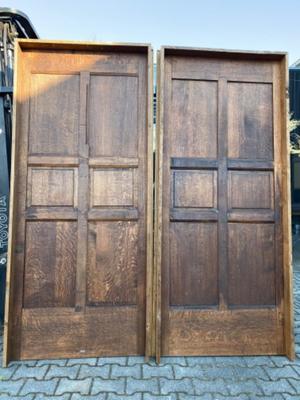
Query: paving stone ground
{"points": [[177, 378]]}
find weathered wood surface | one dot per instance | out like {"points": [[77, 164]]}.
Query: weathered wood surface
{"points": [[222, 251], [80, 247], [81, 280]]}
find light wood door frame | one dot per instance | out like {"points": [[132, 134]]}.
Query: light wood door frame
{"points": [[282, 173]]}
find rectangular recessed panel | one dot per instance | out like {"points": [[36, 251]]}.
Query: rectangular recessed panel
{"points": [[54, 114], [113, 113], [193, 264], [194, 119], [250, 120], [250, 189], [195, 189], [112, 263], [50, 264], [108, 331], [251, 264], [112, 187], [51, 187], [225, 332]]}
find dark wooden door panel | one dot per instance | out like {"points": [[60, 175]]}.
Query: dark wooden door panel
{"points": [[250, 112], [50, 261], [114, 109], [251, 265], [112, 271], [222, 266], [192, 283], [54, 118], [81, 245], [195, 102]]}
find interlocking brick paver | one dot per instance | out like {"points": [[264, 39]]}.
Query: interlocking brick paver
{"points": [[280, 386], [100, 396], [7, 373], [80, 361], [216, 386], [192, 361], [165, 371], [173, 360], [239, 397], [34, 386], [173, 396], [134, 371], [189, 372], [60, 363], [142, 385], [212, 372], [112, 360], [133, 360], [113, 385], [244, 387], [229, 360], [276, 396], [30, 372], [251, 372], [28, 363], [297, 360], [206, 396], [290, 397], [8, 397], [258, 361], [62, 372], [168, 386], [101, 371], [296, 368], [136, 396], [45, 397], [11, 388], [283, 372], [67, 385], [296, 385]]}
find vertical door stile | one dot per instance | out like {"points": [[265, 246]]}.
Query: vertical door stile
{"points": [[222, 191], [149, 348], [158, 202], [83, 190], [278, 188], [282, 116], [166, 201]]}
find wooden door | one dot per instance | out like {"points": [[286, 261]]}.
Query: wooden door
{"points": [[222, 229], [81, 201]]}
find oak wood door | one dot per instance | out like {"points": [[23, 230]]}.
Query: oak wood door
{"points": [[83, 154], [222, 233]]}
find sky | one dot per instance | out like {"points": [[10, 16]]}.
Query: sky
{"points": [[271, 25]]}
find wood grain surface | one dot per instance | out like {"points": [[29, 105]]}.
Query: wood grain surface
{"points": [[79, 245], [223, 241]]}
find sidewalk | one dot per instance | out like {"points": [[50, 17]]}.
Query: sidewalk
{"points": [[177, 378]]}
